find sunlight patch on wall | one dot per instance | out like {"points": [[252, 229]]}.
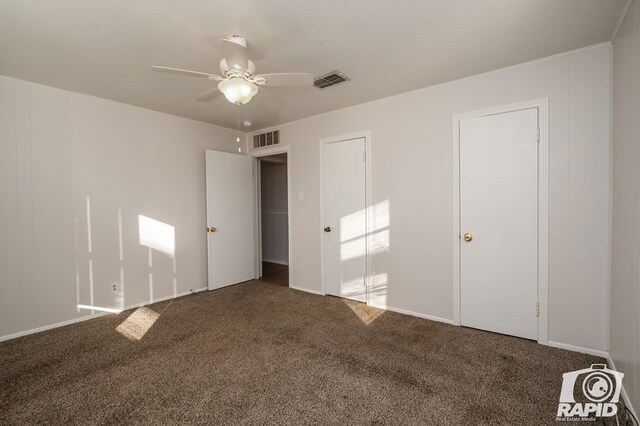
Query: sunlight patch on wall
{"points": [[100, 308], [352, 249], [138, 323], [91, 295], [89, 242], [353, 232], [353, 288], [90, 251], [378, 289], [379, 215], [77, 266], [354, 225], [157, 235], [378, 242]]}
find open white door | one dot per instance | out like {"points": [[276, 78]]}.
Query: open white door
{"points": [[230, 220], [499, 222]]}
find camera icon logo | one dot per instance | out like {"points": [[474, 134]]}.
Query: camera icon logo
{"points": [[597, 386], [591, 392]]}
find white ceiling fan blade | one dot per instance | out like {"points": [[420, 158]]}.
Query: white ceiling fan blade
{"points": [[235, 54], [187, 72], [208, 95], [285, 79]]}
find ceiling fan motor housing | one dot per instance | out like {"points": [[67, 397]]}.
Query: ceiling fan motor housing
{"points": [[231, 72], [237, 39]]}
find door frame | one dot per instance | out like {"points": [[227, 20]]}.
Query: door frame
{"points": [[367, 203], [257, 154], [543, 207]]}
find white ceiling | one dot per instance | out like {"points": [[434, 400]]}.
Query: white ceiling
{"points": [[105, 47]]}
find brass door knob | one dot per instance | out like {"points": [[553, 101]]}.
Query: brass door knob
{"points": [[211, 229], [467, 237]]}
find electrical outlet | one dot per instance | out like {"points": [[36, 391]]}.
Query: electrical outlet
{"points": [[115, 288]]}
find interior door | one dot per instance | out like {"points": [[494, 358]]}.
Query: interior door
{"points": [[344, 215], [499, 222], [230, 218]]}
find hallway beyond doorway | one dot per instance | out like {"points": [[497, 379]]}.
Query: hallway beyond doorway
{"points": [[274, 273]]}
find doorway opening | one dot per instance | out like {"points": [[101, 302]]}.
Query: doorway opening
{"points": [[273, 217]]}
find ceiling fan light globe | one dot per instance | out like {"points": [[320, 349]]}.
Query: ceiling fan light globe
{"points": [[238, 90]]}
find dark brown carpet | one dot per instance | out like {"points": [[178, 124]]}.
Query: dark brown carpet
{"points": [[257, 353]]}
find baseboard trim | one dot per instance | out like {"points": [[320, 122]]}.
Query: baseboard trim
{"points": [[387, 308], [94, 316], [588, 351], [306, 290], [52, 326], [412, 313], [624, 394], [277, 262]]}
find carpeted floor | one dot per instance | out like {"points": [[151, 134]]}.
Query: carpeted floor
{"points": [[258, 353]]}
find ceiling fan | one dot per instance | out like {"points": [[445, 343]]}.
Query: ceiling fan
{"points": [[240, 83]]}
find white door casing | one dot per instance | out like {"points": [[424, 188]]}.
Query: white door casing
{"points": [[230, 210], [343, 211]]}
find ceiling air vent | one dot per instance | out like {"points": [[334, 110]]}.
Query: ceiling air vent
{"points": [[330, 79], [266, 139]]}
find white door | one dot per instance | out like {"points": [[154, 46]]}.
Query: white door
{"points": [[344, 216], [499, 222], [230, 218]]}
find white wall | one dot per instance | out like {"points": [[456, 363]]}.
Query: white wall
{"points": [[65, 158], [625, 257], [275, 219], [412, 175]]}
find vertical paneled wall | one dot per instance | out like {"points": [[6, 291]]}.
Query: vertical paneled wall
{"points": [[625, 256], [411, 155], [79, 178]]}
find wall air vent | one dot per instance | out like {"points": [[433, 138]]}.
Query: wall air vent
{"points": [[266, 139], [330, 79]]}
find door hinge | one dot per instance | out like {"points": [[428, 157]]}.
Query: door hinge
{"points": [[537, 309], [364, 155], [538, 134]]}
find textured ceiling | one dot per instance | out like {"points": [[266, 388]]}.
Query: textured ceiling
{"points": [[105, 48]]}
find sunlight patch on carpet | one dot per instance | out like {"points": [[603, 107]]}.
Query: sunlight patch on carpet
{"points": [[138, 323], [367, 314]]}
